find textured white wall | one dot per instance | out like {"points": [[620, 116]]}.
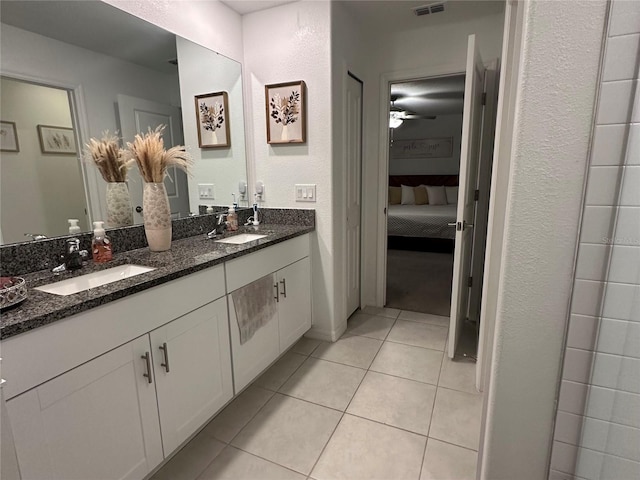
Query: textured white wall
{"points": [[561, 53], [282, 44], [208, 23]]}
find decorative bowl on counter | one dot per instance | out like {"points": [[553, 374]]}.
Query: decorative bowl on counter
{"points": [[13, 290]]}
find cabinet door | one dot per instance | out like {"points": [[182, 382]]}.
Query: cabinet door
{"points": [[252, 357], [294, 308], [97, 421], [192, 371]]}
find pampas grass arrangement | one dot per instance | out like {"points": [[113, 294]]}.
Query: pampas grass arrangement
{"points": [[148, 152], [108, 157]]}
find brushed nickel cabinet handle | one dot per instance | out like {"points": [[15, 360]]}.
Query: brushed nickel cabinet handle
{"points": [[165, 350], [147, 358], [277, 297], [284, 287]]}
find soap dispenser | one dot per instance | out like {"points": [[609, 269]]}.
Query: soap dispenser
{"points": [[73, 226], [100, 245], [232, 219]]}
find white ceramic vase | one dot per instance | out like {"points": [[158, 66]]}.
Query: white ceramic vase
{"points": [[119, 212], [157, 217], [285, 133]]}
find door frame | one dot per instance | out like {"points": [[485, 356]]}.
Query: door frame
{"points": [[386, 80], [346, 313], [80, 122]]}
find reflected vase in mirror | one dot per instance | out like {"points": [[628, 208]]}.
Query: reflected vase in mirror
{"points": [[157, 216], [119, 212]]}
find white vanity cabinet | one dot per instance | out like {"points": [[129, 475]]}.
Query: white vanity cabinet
{"points": [[192, 370], [99, 420], [288, 264]]}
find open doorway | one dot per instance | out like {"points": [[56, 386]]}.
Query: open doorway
{"points": [[425, 122]]}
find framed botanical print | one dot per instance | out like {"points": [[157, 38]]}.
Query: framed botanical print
{"points": [[212, 117], [286, 112], [8, 137], [57, 140]]}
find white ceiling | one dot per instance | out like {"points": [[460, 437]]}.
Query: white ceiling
{"points": [[248, 6], [96, 26], [430, 97], [395, 15]]}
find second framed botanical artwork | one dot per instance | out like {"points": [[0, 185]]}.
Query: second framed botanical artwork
{"points": [[286, 112], [212, 117], [8, 137], [57, 140]]}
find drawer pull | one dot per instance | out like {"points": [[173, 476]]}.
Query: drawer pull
{"points": [[165, 350], [147, 358], [277, 297], [284, 287]]}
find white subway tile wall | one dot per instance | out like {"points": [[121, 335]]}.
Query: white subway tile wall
{"points": [[597, 433]]}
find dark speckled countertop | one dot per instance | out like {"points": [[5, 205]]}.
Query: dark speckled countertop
{"points": [[186, 256]]}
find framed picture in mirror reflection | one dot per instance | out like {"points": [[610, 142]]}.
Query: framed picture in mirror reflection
{"points": [[57, 140], [8, 137], [212, 117], [286, 112]]}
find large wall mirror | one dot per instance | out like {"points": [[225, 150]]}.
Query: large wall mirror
{"points": [[73, 70]]}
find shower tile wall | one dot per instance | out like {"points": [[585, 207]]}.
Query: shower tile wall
{"points": [[597, 433]]}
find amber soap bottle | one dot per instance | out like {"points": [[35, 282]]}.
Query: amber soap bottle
{"points": [[100, 245]]}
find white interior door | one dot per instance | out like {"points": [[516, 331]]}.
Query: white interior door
{"points": [[471, 128], [137, 115], [353, 168]]}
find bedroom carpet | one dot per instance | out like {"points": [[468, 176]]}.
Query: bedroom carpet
{"points": [[419, 281]]}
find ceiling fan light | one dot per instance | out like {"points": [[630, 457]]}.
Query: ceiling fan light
{"points": [[394, 122]]}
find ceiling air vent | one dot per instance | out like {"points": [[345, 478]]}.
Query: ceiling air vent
{"points": [[429, 8]]}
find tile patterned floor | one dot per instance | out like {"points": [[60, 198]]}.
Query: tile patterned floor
{"points": [[383, 402]]}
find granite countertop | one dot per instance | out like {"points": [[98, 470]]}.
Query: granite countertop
{"points": [[186, 256]]}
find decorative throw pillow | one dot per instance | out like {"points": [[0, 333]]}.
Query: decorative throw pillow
{"points": [[395, 195], [408, 197], [420, 194], [437, 195], [452, 195]]}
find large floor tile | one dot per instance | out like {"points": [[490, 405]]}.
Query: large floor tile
{"points": [[414, 363], [353, 351], [439, 320], [280, 371], [458, 374], [445, 461], [367, 325], [237, 414], [456, 418], [418, 335], [382, 311], [192, 460], [394, 401], [234, 464], [305, 346], [289, 432], [362, 449], [325, 383]]}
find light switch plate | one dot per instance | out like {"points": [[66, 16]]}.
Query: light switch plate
{"points": [[205, 191], [305, 192]]}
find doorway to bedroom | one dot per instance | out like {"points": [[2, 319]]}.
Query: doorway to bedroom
{"points": [[425, 132]]}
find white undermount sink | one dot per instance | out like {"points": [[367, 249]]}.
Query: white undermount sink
{"points": [[93, 280], [241, 238]]}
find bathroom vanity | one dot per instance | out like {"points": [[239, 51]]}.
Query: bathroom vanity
{"points": [[109, 382]]}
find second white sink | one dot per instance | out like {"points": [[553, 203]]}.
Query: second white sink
{"points": [[93, 280], [241, 238]]}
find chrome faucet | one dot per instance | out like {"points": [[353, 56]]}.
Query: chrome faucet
{"points": [[220, 227], [72, 256], [36, 236]]}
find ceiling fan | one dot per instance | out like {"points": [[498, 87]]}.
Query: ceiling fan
{"points": [[397, 115]]}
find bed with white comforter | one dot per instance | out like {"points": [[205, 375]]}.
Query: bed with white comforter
{"points": [[429, 221]]}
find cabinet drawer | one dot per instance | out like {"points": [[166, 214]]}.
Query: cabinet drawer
{"points": [[34, 357], [244, 270]]}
